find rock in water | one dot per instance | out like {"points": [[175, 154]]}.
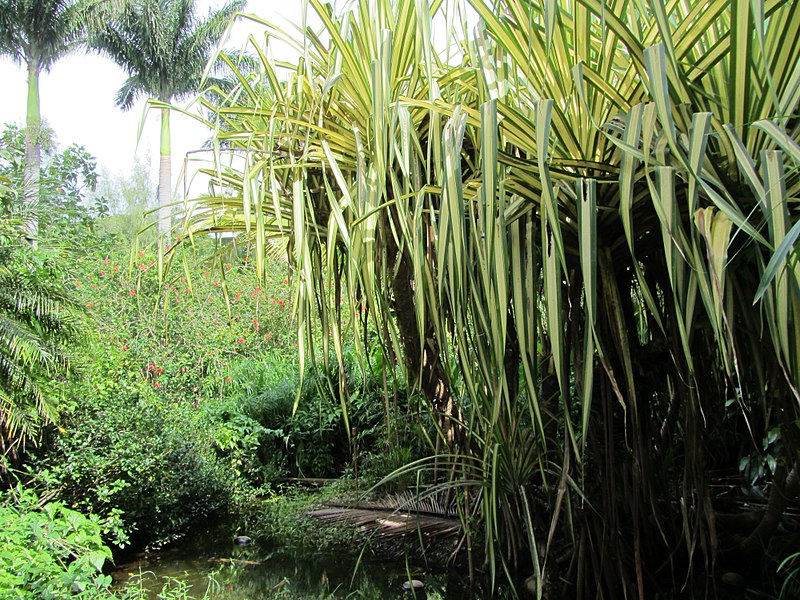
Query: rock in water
{"points": [[414, 585], [242, 540], [733, 580], [530, 585]]}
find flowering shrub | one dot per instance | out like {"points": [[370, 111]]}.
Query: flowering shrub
{"points": [[136, 434]]}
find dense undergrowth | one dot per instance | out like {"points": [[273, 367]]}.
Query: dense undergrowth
{"points": [[180, 398]]}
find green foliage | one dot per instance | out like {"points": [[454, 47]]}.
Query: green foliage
{"points": [[124, 451], [37, 322], [129, 198], [789, 569], [49, 551], [67, 207], [158, 429]]}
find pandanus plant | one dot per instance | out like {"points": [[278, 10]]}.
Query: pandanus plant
{"points": [[577, 236]]}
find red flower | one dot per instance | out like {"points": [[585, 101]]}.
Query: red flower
{"points": [[216, 284], [258, 289], [168, 248], [227, 267], [227, 380], [133, 293], [157, 385], [240, 340], [141, 252], [183, 369], [102, 273], [124, 348], [267, 336], [237, 295], [286, 281], [90, 304], [77, 284], [151, 367], [159, 371], [105, 260], [116, 268], [255, 321], [258, 328]]}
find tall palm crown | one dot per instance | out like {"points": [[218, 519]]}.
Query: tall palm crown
{"points": [[164, 47], [38, 33], [41, 32]]}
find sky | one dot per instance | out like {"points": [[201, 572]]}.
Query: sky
{"points": [[77, 102]]}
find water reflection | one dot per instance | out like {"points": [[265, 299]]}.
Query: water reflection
{"points": [[209, 564]]}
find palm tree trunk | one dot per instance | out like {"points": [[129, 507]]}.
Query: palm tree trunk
{"points": [[33, 156], [164, 180]]}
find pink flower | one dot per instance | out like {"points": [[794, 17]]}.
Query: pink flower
{"points": [[286, 281]]}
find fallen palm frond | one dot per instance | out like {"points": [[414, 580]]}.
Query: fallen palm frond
{"points": [[382, 524]]}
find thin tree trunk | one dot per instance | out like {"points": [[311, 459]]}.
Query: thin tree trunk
{"points": [[33, 157], [164, 180], [427, 366]]}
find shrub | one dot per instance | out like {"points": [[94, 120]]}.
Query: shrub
{"points": [[131, 453], [48, 551]]}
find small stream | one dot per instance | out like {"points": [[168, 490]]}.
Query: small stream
{"points": [[212, 566]]}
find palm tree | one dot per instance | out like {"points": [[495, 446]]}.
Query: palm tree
{"points": [[37, 321], [164, 46], [570, 224], [38, 34]]}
